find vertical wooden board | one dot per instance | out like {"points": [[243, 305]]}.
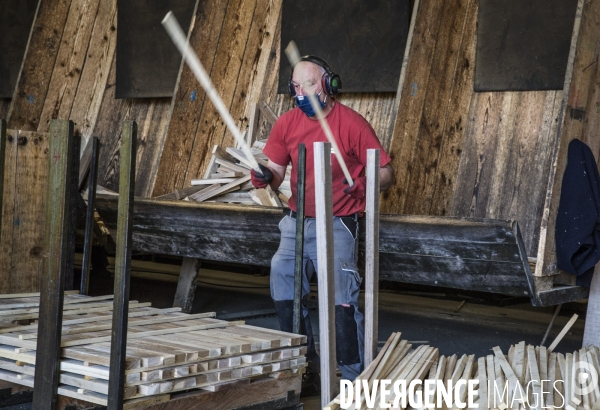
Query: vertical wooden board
{"points": [[537, 172], [228, 62], [512, 146], [592, 115], [69, 62], [575, 94], [456, 118], [411, 101], [268, 89], [259, 54], [29, 212], [432, 126], [521, 185], [248, 76], [6, 230], [151, 134], [38, 64], [94, 77], [189, 99], [477, 157], [108, 128]]}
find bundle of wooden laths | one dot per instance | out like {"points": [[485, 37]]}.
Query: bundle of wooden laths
{"points": [[167, 351], [227, 176], [526, 377]]}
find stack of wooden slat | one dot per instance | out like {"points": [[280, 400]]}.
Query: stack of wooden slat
{"points": [[227, 176], [167, 351], [521, 370]]}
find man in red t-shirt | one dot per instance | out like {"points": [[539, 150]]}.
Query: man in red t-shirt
{"points": [[354, 136]]}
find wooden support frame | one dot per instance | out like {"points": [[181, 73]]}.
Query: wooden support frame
{"points": [[372, 257], [124, 241], [186, 284], [58, 203], [324, 222], [89, 217]]}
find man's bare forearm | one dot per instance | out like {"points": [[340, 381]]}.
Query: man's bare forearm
{"points": [[386, 177]]}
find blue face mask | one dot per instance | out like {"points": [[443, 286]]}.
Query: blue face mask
{"points": [[303, 103]]}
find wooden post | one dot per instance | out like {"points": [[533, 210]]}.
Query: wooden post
{"points": [[186, 285], [324, 225], [372, 257], [299, 258], [591, 332], [52, 283], [2, 159], [124, 241], [89, 217], [74, 197]]}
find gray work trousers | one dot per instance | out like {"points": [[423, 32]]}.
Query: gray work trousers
{"points": [[349, 321]]}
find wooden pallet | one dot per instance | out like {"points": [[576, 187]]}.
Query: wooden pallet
{"points": [[167, 351]]}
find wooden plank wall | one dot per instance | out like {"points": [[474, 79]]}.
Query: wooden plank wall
{"points": [[583, 95], [455, 152], [461, 153], [68, 73]]}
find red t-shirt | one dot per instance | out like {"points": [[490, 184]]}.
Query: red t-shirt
{"points": [[353, 134]]}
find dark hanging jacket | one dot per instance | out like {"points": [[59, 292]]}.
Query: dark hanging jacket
{"points": [[578, 219]]}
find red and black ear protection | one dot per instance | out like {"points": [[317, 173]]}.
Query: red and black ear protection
{"points": [[331, 82]]}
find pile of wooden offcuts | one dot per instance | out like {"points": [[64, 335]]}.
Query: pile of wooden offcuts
{"points": [[523, 368], [227, 176], [167, 351]]}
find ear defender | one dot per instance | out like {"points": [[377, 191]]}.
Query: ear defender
{"points": [[331, 82]]}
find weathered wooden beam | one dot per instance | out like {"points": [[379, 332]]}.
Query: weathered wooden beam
{"points": [[186, 284], [372, 257], [324, 221], [53, 279], [124, 241], [463, 253], [89, 216]]}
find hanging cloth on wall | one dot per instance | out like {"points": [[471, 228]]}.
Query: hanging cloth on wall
{"points": [[578, 220]]}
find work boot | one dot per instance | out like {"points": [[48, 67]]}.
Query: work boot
{"points": [[311, 384]]}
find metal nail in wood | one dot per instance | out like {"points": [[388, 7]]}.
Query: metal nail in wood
{"points": [[124, 241], [372, 256], [324, 225], [89, 218], [60, 156], [299, 261]]}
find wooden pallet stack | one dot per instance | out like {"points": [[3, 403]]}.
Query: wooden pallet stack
{"points": [[167, 351], [521, 369], [227, 176]]}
